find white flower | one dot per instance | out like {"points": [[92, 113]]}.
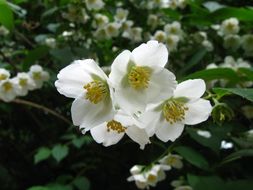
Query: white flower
{"points": [[112, 29], [230, 26], [50, 42], [208, 45], [139, 77], [134, 34], [172, 160], [121, 15], [159, 36], [8, 90], [152, 20], [38, 75], [203, 133], [100, 34], [173, 28], [67, 33], [100, 21], [167, 118], [88, 84], [232, 42], [4, 31], [126, 26], [226, 145], [172, 42], [24, 83], [230, 62], [94, 4], [4, 74], [184, 187], [144, 178], [181, 3], [111, 132], [212, 66], [173, 4], [247, 43]]}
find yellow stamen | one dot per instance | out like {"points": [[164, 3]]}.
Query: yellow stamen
{"points": [[22, 82], [7, 86], [3, 76], [152, 178], [174, 111], [115, 126], [96, 91], [37, 75], [139, 77]]}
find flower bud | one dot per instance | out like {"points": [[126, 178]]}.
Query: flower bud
{"points": [[222, 112]]}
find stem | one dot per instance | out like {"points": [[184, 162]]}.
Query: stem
{"points": [[38, 106], [20, 35]]}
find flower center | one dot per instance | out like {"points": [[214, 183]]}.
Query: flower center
{"points": [[3, 77], [115, 126], [152, 178], [96, 91], [22, 82], [37, 75], [139, 77], [7, 86], [174, 111]]}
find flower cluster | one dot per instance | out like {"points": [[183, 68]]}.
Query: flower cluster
{"points": [[19, 85], [171, 35], [232, 63], [139, 98], [146, 176]]}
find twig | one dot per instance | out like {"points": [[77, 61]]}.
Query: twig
{"points": [[38, 106], [24, 38]]}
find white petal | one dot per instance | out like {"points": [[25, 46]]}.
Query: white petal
{"points": [[119, 68], [150, 54], [88, 115], [162, 85], [148, 121], [166, 131], [130, 100], [138, 135], [191, 89], [72, 78], [107, 138], [198, 112]]}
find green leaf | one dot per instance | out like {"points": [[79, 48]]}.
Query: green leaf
{"points": [[243, 92], [213, 142], [173, 14], [38, 188], [213, 74], [59, 152], [34, 55], [82, 183], [56, 186], [244, 14], [237, 155], [196, 58], [78, 142], [192, 156], [205, 182], [6, 15], [247, 72], [64, 55], [42, 154], [239, 184]]}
